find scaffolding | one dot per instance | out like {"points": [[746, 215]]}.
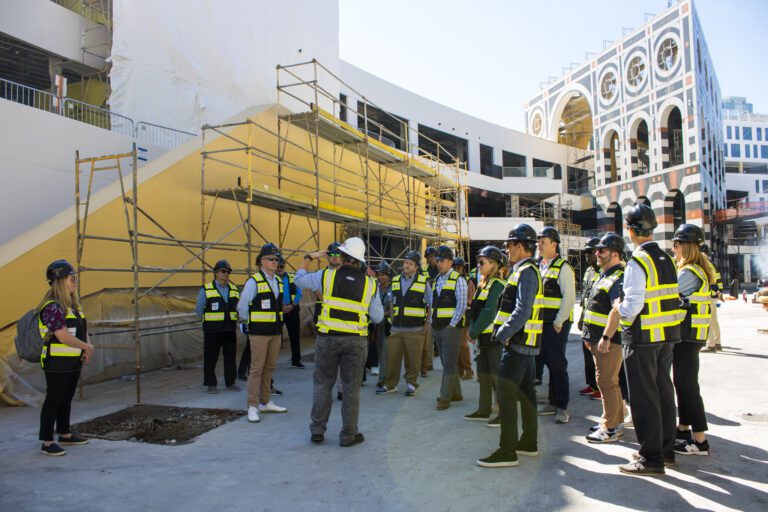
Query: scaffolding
{"points": [[305, 169], [312, 167]]}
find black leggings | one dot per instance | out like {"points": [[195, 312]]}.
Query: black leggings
{"points": [[60, 389], [685, 367]]}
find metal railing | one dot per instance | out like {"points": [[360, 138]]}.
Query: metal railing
{"points": [[95, 116], [161, 135]]}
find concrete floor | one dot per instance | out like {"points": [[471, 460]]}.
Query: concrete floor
{"points": [[414, 457]]}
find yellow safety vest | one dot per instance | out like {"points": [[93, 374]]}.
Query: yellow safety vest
{"points": [[340, 315], [695, 326]]}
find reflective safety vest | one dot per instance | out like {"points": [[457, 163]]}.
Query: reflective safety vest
{"points": [[479, 303], [409, 310], [430, 273], [599, 305], [347, 296], [444, 304], [553, 295], [695, 326], [717, 285], [59, 357], [591, 276], [265, 312], [659, 320], [219, 314], [530, 334]]}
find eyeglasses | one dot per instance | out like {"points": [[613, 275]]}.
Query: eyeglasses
{"points": [[280, 266], [224, 271], [269, 259], [334, 254]]}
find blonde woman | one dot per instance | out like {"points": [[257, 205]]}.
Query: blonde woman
{"points": [[694, 277], [62, 325], [484, 307]]}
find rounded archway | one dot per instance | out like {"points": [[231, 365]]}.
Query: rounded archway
{"points": [[672, 144], [612, 156], [643, 200], [572, 120], [616, 217], [639, 143], [674, 208]]}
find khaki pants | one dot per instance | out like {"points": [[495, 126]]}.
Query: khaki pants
{"points": [[714, 326], [607, 367], [465, 355], [428, 351], [264, 352], [399, 344]]}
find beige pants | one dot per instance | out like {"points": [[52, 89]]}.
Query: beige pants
{"points": [[401, 344], [607, 368], [714, 326], [264, 352]]}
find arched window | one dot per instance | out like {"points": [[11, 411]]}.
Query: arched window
{"points": [[674, 138], [613, 157], [640, 154]]}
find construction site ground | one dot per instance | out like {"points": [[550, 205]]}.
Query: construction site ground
{"points": [[413, 457]]}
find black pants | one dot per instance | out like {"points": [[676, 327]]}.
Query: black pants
{"points": [[488, 362], [589, 367], [685, 366], [213, 342], [653, 400], [553, 347], [515, 384], [293, 324], [59, 391]]}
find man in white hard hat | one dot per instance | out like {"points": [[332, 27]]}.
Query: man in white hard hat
{"points": [[350, 302]]}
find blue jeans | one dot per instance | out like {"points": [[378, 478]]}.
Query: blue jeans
{"points": [[515, 384]]}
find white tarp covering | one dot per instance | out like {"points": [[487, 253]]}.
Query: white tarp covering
{"points": [[185, 63]]}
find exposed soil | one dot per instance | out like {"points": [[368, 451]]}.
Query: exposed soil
{"points": [[157, 424]]}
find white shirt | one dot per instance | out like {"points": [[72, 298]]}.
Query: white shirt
{"points": [[634, 290]]}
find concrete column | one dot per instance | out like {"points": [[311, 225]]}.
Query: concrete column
{"points": [[473, 158], [529, 166]]}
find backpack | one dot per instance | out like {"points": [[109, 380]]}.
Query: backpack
{"points": [[29, 343]]}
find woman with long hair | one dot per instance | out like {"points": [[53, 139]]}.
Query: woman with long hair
{"points": [[63, 327], [694, 277], [484, 306]]}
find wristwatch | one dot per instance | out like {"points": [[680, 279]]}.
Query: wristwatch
{"points": [[606, 338]]}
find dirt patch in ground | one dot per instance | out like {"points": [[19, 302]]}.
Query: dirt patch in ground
{"points": [[157, 424]]}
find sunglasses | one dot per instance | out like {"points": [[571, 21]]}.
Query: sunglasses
{"points": [[269, 259], [225, 271], [334, 254]]}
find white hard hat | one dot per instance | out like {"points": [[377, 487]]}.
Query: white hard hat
{"points": [[354, 247]]}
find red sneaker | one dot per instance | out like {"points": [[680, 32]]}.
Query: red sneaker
{"points": [[586, 391], [596, 395]]}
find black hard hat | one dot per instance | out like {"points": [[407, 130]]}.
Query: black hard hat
{"points": [[444, 253], [280, 261], [591, 243], [430, 251], [222, 264], [333, 247], [383, 268], [414, 256], [641, 218], [58, 269], [549, 232], [522, 233], [492, 253], [704, 248], [269, 249], [459, 261], [689, 233], [612, 242]]}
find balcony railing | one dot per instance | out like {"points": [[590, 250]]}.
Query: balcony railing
{"points": [[93, 115], [525, 172]]}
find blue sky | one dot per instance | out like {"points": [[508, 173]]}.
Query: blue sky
{"points": [[487, 57]]}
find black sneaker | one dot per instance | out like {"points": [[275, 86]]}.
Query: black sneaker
{"points": [[298, 365], [275, 391], [359, 438], [53, 450], [498, 459], [691, 447], [668, 461], [477, 416], [72, 440], [317, 438], [494, 423], [528, 450], [639, 467]]}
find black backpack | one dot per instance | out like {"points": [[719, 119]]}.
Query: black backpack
{"points": [[29, 343]]}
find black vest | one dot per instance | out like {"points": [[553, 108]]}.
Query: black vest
{"points": [[220, 315], [445, 301], [599, 305], [265, 312], [530, 334], [349, 284], [52, 358], [659, 320], [409, 310], [479, 303], [552, 290]]}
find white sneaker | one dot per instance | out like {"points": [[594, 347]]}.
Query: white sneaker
{"points": [[253, 414], [628, 418], [375, 370], [271, 407]]}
